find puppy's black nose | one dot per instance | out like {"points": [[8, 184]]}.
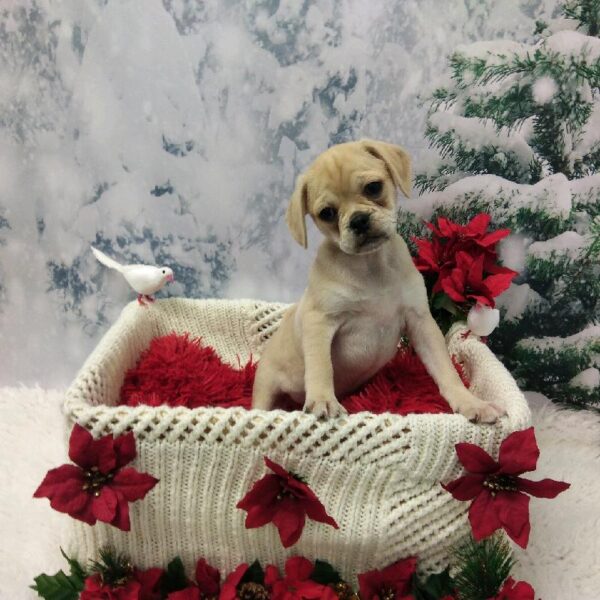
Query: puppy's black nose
{"points": [[359, 222]]}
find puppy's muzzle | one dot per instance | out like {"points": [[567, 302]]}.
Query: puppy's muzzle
{"points": [[360, 223]]}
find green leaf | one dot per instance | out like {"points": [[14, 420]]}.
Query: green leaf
{"points": [[442, 300], [77, 571], [254, 574], [61, 586], [436, 586], [174, 578], [324, 573], [58, 586]]}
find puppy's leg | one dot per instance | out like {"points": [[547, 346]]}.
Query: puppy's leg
{"points": [[428, 341], [265, 390], [317, 337]]}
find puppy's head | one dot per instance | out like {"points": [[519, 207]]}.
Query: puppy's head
{"points": [[350, 192]]}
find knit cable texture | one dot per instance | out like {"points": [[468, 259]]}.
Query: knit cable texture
{"points": [[377, 475]]}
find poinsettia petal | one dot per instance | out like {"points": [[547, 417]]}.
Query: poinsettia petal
{"points": [[234, 578], [276, 468], [478, 224], [289, 520], [259, 516], [428, 258], [263, 492], [121, 520], [298, 568], [368, 583], [57, 477], [124, 447], [519, 452], [272, 575], [316, 511], [149, 581], [485, 300], [475, 459], [465, 487], [496, 284], [475, 273], [70, 498], [207, 577], [513, 512], [446, 227], [80, 444], [87, 452], [300, 489], [512, 590], [228, 592], [494, 236], [454, 285], [545, 488], [133, 484], [189, 593], [104, 506], [311, 590], [483, 516], [400, 573]]}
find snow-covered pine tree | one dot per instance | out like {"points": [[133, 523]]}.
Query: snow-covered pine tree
{"points": [[516, 133]]}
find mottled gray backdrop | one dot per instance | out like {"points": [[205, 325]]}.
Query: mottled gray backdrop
{"points": [[171, 132]]}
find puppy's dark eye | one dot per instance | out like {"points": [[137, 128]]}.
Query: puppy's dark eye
{"points": [[327, 214], [373, 189]]}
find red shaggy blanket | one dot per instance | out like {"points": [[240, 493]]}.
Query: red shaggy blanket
{"points": [[179, 371]]}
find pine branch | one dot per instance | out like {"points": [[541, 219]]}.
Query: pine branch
{"points": [[113, 567], [482, 568], [586, 12]]}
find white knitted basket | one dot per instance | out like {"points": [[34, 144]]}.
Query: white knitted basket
{"points": [[377, 475]]}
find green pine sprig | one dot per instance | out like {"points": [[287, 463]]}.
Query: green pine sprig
{"points": [[482, 567]]}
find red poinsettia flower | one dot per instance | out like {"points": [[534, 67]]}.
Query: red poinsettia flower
{"points": [[438, 255], [98, 487], [208, 584], [142, 585], [285, 500], [466, 282], [395, 581], [515, 590], [296, 585], [499, 495], [230, 585], [234, 589], [474, 231]]}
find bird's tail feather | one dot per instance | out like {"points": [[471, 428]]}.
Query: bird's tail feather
{"points": [[106, 260]]}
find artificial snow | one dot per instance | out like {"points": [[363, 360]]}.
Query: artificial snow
{"points": [[518, 299], [573, 44], [476, 134], [501, 197], [544, 89], [579, 341], [587, 379], [567, 244]]}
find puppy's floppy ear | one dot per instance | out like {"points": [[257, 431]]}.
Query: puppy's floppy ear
{"points": [[296, 212], [396, 160]]}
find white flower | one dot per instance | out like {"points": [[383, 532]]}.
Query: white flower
{"points": [[482, 320]]}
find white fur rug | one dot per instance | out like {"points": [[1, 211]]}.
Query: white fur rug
{"points": [[562, 561]]}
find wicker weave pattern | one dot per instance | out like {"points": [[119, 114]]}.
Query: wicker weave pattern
{"points": [[378, 475]]}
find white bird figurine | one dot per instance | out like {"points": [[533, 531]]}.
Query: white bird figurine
{"points": [[146, 280]]}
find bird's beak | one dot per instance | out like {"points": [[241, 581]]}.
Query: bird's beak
{"points": [[170, 278]]}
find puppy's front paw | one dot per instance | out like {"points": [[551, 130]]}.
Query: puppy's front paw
{"points": [[324, 406], [477, 411]]}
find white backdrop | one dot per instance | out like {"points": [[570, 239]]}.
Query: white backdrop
{"points": [[171, 132]]}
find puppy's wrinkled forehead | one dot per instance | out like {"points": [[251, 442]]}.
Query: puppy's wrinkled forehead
{"points": [[343, 170]]}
